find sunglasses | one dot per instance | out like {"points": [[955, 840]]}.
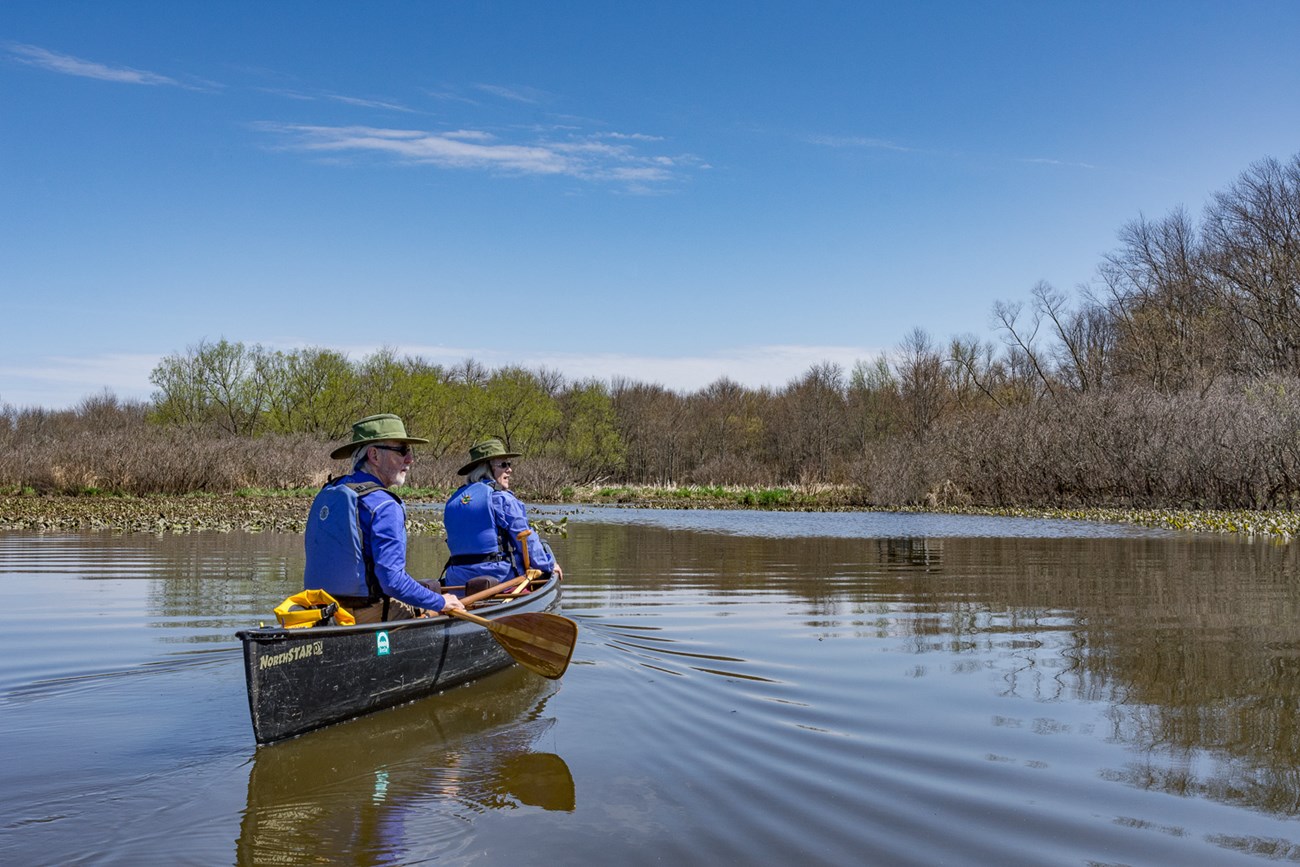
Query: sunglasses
{"points": [[404, 449], [501, 465]]}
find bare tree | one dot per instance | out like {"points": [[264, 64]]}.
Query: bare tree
{"points": [[1022, 341], [470, 372], [873, 402], [813, 428], [923, 385], [1254, 231], [972, 372], [652, 423], [1165, 314]]}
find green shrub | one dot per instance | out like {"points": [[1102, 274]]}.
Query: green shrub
{"points": [[775, 496]]}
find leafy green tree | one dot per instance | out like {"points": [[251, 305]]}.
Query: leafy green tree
{"points": [[238, 383], [442, 411], [381, 377], [315, 390], [516, 405], [592, 446], [180, 398], [224, 384]]}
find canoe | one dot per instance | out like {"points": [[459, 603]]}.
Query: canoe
{"points": [[306, 678]]}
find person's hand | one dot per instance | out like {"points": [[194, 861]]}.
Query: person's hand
{"points": [[450, 601], [559, 573]]}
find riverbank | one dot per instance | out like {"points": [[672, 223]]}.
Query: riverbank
{"points": [[285, 511]]}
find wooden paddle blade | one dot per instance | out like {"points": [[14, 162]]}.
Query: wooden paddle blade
{"points": [[540, 642]]}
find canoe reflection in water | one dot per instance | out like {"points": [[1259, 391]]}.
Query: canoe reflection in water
{"points": [[407, 781]]}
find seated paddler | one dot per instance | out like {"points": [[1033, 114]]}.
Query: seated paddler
{"points": [[356, 532], [484, 519]]}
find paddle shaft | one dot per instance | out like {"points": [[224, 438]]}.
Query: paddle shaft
{"points": [[472, 618], [493, 590], [522, 536], [523, 547]]}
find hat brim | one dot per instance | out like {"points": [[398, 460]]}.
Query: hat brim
{"points": [[464, 471], [344, 451]]}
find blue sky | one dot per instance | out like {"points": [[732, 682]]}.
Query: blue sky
{"points": [[667, 191]]}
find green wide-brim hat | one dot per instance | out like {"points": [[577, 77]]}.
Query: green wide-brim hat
{"points": [[375, 429], [486, 451]]}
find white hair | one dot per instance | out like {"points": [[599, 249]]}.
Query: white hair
{"points": [[482, 472], [360, 455]]}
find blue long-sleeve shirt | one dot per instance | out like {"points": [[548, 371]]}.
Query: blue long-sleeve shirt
{"points": [[383, 533]]}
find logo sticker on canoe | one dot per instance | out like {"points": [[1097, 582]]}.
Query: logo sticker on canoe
{"points": [[381, 644]]}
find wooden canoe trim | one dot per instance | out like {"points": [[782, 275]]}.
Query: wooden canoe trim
{"points": [[492, 591]]}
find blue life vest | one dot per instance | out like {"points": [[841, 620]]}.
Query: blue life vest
{"points": [[471, 530], [337, 559]]}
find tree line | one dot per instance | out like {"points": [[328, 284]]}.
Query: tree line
{"points": [[1171, 378]]}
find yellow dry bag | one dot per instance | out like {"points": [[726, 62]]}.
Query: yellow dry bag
{"points": [[312, 608]]}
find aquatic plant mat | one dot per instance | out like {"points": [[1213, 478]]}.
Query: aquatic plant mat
{"points": [[277, 512]]}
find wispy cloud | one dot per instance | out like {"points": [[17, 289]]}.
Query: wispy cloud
{"points": [[868, 143], [450, 94], [469, 135], [599, 157], [1043, 161], [454, 150], [527, 95], [855, 141], [369, 103], [69, 65], [287, 94], [633, 136], [357, 101]]}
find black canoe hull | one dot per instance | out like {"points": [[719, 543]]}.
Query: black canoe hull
{"points": [[306, 678]]}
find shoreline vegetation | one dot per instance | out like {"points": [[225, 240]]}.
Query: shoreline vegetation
{"points": [[286, 510], [1165, 391]]}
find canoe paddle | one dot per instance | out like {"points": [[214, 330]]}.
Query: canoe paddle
{"points": [[540, 642]]}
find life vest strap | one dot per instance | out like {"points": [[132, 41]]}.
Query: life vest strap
{"points": [[475, 559]]}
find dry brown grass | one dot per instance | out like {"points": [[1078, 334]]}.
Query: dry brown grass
{"points": [[120, 451]]}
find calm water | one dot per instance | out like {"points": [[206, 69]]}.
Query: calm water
{"points": [[748, 688]]}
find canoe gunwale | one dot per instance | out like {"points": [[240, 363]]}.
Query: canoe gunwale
{"points": [[489, 608]]}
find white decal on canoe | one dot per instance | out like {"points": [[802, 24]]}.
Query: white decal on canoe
{"points": [[293, 654], [381, 644]]}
